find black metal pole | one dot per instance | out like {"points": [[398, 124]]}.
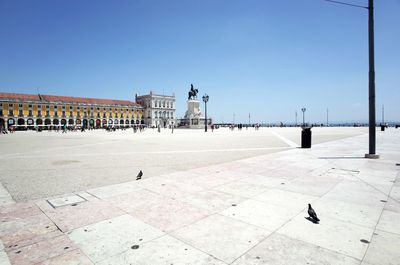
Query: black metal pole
{"points": [[205, 123], [371, 88]]}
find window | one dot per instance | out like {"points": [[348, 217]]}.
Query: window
{"points": [[47, 113], [10, 106], [10, 112], [30, 113], [21, 114], [1, 112], [63, 107], [20, 105], [63, 113], [30, 106], [172, 105], [47, 107], [39, 112]]}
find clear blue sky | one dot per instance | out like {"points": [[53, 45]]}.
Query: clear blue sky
{"points": [[264, 57]]}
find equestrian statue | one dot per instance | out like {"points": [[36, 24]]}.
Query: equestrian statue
{"points": [[193, 92]]}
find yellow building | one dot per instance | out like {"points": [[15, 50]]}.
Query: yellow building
{"points": [[46, 111]]}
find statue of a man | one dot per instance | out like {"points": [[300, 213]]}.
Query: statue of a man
{"points": [[193, 92]]}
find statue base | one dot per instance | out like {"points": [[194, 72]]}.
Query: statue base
{"points": [[193, 117]]}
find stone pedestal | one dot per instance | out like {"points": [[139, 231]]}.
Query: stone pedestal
{"points": [[193, 119], [193, 109]]}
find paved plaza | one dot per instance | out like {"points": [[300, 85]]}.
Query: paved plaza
{"points": [[218, 198]]}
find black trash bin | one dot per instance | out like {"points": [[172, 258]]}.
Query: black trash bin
{"points": [[306, 137]]}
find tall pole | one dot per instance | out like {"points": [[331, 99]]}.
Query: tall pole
{"points": [[205, 124], [327, 117], [371, 76], [205, 100], [371, 89], [295, 115], [303, 110], [249, 119]]}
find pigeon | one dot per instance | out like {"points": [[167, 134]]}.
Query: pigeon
{"points": [[312, 214], [139, 176]]}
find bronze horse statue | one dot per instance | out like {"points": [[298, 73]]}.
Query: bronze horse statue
{"points": [[193, 92]]}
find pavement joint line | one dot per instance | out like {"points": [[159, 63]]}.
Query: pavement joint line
{"points": [[169, 233], [379, 219], [276, 231], [284, 139], [370, 185]]}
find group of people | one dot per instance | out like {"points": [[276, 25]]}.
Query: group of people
{"points": [[3, 130]]}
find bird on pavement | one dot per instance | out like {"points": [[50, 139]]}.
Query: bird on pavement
{"points": [[139, 176], [312, 214]]}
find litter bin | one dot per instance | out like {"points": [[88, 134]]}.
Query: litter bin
{"points": [[306, 137], [383, 127]]}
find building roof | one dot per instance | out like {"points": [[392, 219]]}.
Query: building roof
{"points": [[49, 98]]}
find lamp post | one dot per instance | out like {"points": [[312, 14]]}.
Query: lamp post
{"points": [[327, 117], [303, 110], [205, 100], [371, 76]]}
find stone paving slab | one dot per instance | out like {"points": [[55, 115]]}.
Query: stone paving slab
{"points": [[357, 192], [213, 200], [163, 250], [41, 251], [111, 237], [358, 214], [157, 210], [383, 249], [389, 222], [69, 217], [331, 234], [242, 189], [286, 199], [21, 232], [5, 197], [281, 250], [261, 214], [12, 212], [75, 257], [65, 200], [251, 211], [221, 237]]}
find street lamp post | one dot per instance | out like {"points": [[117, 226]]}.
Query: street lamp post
{"points": [[371, 76], [327, 117], [303, 110], [205, 99]]}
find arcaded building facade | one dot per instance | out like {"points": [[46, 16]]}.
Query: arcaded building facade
{"points": [[46, 111]]}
